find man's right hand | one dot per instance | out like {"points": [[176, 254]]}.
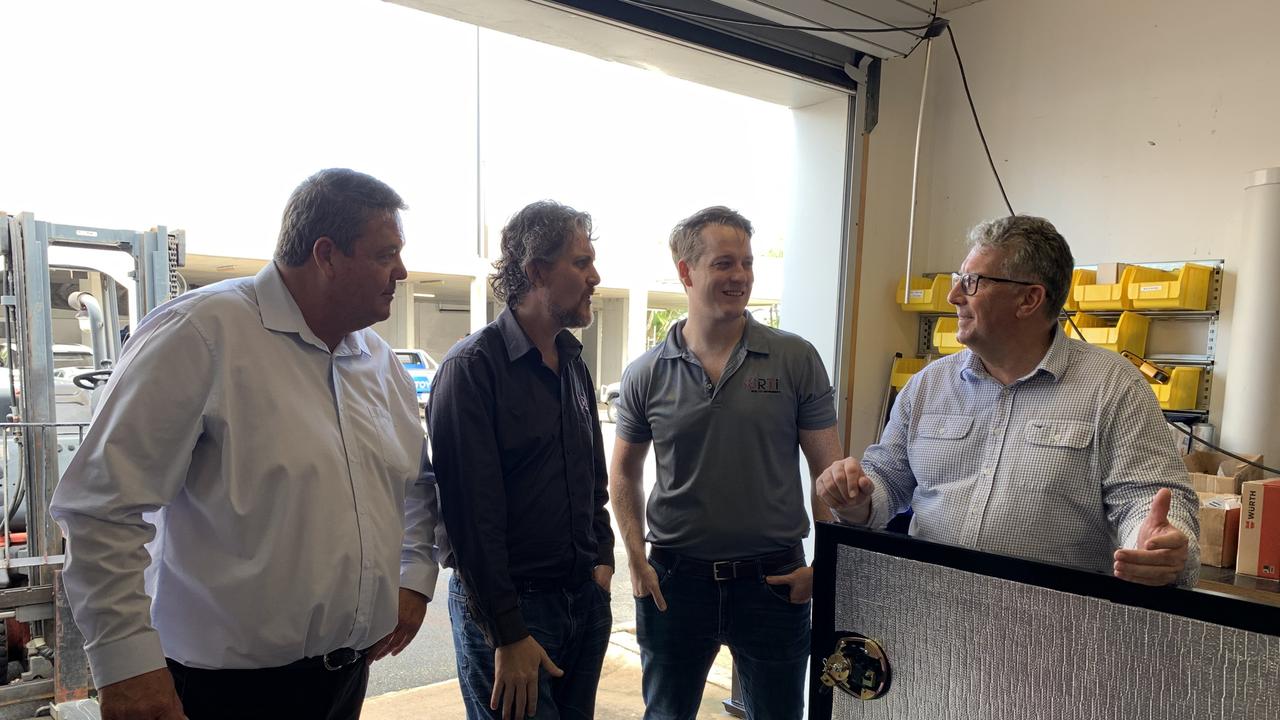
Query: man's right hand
{"points": [[149, 696], [515, 678], [644, 582], [846, 489]]}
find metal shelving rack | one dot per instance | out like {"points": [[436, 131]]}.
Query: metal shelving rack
{"points": [[1206, 360]]}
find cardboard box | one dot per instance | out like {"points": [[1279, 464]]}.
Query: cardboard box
{"points": [[1259, 552], [1109, 273], [1219, 528], [1213, 472]]}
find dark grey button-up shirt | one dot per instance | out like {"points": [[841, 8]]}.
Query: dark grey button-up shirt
{"points": [[520, 465], [728, 454]]}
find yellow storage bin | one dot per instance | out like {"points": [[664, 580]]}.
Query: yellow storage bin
{"points": [[1186, 288], [1079, 276], [1089, 296], [944, 336], [1129, 333], [926, 294], [903, 369], [1182, 390]]}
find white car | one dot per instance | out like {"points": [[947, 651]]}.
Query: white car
{"points": [[609, 396]]}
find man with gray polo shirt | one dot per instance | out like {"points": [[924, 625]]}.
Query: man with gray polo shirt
{"points": [[728, 404]]}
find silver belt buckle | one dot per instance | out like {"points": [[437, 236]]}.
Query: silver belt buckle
{"points": [[339, 658], [727, 566]]}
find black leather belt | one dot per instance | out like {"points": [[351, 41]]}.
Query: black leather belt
{"points": [[752, 568], [335, 660]]}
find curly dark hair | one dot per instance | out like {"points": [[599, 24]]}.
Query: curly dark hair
{"points": [[336, 203], [540, 231]]}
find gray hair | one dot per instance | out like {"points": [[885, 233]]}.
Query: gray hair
{"points": [[687, 242], [336, 203], [540, 231], [1033, 250]]}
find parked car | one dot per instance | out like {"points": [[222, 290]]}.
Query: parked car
{"points": [[422, 368], [609, 396]]}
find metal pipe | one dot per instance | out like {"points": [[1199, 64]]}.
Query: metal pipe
{"points": [[97, 329], [915, 169], [111, 316]]}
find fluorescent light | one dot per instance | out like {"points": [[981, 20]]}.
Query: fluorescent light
{"points": [[424, 295]]}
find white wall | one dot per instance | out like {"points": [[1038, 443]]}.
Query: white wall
{"points": [[438, 331], [810, 304], [811, 273], [613, 323], [1131, 125]]}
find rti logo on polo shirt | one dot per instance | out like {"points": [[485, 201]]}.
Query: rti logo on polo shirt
{"points": [[763, 384]]}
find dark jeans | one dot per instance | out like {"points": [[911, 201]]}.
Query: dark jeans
{"points": [[767, 634], [571, 625], [305, 691]]}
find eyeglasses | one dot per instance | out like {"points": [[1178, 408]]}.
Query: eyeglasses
{"points": [[970, 281]]}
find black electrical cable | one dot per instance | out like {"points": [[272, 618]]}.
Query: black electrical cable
{"points": [[1228, 453], [981, 135], [777, 26]]}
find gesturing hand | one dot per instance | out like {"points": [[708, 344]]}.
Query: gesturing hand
{"points": [[1161, 554]]}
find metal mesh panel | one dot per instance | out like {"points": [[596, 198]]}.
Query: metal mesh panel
{"points": [[972, 647]]}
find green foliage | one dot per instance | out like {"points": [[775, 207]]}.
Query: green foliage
{"points": [[660, 322]]}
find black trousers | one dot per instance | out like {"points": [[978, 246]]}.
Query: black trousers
{"points": [[303, 690]]}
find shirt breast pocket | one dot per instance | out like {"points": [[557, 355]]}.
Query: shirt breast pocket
{"points": [[399, 461], [1059, 435], [935, 426]]}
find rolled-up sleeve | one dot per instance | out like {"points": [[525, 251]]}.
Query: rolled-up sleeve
{"points": [[133, 460]]}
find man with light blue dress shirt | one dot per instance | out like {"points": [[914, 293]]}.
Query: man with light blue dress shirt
{"points": [[251, 518], [1028, 443]]}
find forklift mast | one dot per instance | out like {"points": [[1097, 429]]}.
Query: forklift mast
{"points": [[54, 667]]}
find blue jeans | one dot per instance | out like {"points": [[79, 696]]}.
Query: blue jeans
{"points": [[767, 634], [572, 626]]}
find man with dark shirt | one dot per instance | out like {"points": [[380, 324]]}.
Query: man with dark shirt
{"points": [[523, 483]]}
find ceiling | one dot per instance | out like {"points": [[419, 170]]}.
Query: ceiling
{"points": [[789, 67]]}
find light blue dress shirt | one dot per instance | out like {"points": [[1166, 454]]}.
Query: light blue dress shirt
{"points": [[1059, 466], [284, 490]]}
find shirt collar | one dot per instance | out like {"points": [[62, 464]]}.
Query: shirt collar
{"points": [[280, 313], [755, 339], [518, 343], [1054, 363]]}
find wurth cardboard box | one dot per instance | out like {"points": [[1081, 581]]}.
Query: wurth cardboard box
{"points": [[1259, 551]]}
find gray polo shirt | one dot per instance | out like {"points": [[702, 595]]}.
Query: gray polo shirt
{"points": [[728, 455]]}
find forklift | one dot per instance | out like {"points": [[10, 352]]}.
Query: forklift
{"points": [[63, 281]]}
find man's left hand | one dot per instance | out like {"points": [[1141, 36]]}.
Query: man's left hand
{"points": [[1161, 554], [413, 607], [800, 580], [603, 575]]}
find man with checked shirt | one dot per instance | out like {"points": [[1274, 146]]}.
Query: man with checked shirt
{"points": [[1028, 443]]}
